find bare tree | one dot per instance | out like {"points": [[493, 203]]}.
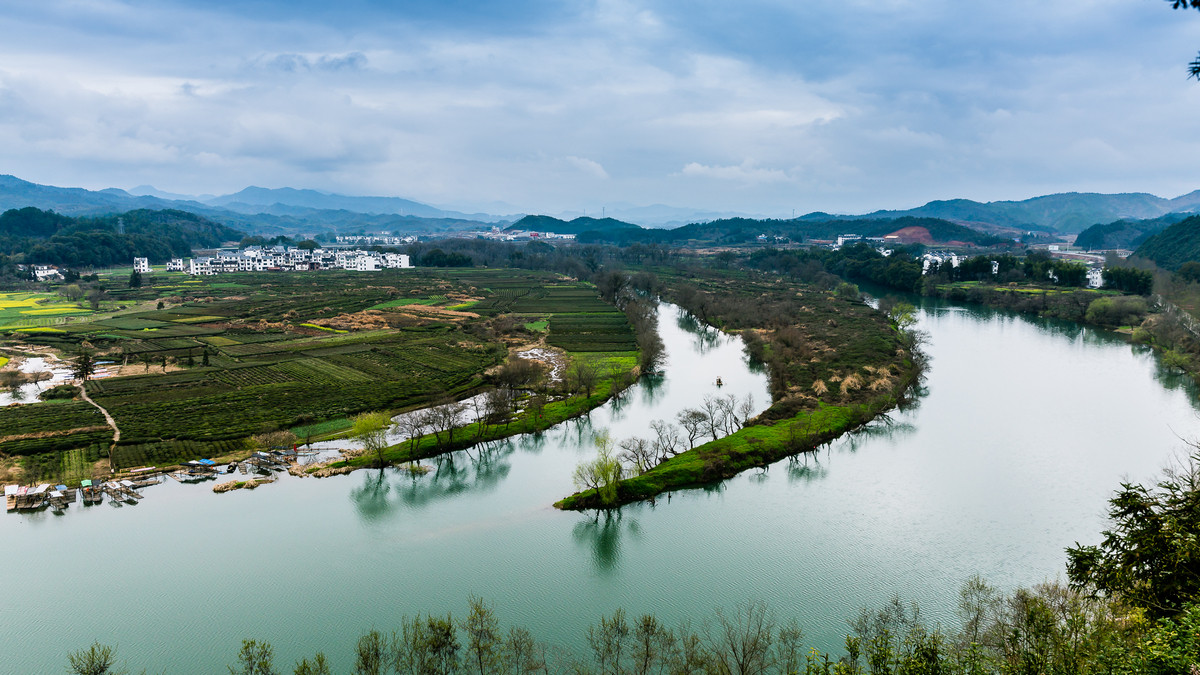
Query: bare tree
{"points": [[414, 425], [746, 409], [693, 422], [666, 441], [714, 416], [741, 644], [638, 453], [499, 403], [446, 418], [727, 405]]}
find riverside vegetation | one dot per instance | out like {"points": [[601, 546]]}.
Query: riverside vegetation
{"points": [[834, 364]]}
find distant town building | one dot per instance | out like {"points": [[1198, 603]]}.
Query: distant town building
{"points": [[281, 259], [176, 265], [141, 265]]}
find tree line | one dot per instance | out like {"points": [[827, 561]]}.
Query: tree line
{"points": [[33, 236]]}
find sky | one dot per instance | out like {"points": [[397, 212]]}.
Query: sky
{"points": [[765, 107]]}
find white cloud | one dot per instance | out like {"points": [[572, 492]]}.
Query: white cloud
{"points": [[746, 172], [840, 106]]}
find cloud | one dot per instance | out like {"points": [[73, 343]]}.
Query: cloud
{"points": [[762, 106], [587, 166], [305, 62], [746, 172]]}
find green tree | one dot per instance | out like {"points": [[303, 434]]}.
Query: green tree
{"points": [[371, 654], [255, 658], [135, 279], [85, 364], [95, 660], [371, 429], [318, 666], [1150, 557], [484, 640], [602, 473]]}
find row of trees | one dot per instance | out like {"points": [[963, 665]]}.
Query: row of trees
{"points": [[718, 416]]}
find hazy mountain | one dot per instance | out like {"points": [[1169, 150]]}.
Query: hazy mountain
{"points": [[290, 210], [576, 226], [253, 199], [661, 215], [1067, 212], [276, 211], [151, 191]]}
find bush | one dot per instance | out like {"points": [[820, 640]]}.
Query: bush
{"points": [[62, 391], [1118, 311]]}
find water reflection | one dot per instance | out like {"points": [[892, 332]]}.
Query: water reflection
{"points": [[652, 389], [602, 536], [480, 469], [704, 337], [807, 467]]}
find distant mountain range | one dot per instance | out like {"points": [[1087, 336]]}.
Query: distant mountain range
{"points": [[1067, 213], [258, 210], [292, 211]]}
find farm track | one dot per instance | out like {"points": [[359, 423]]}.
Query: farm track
{"points": [[109, 418]]}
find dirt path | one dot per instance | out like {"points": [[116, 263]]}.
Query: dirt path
{"points": [[109, 418]]}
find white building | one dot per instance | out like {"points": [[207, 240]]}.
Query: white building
{"points": [[256, 259], [141, 265], [176, 265]]}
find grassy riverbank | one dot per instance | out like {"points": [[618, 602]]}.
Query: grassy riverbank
{"points": [[526, 421], [834, 363]]}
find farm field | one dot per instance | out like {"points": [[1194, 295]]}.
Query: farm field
{"points": [[27, 310], [200, 365]]}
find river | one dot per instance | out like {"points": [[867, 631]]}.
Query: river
{"points": [[1024, 429]]}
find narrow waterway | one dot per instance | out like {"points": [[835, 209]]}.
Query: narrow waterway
{"points": [[1024, 429]]}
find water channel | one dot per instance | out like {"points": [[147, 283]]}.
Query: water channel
{"points": [[1024, 429]]}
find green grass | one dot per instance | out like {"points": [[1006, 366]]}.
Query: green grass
{"points": [[753, 446], [324, 328], [541, 326]]}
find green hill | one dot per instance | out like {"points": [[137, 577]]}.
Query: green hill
{"points": [[1175, 245], [1127, 234], [576, 226], [45, 237], [743, 231]]}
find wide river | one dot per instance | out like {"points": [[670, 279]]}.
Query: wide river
{"points": [[1024, 429]]}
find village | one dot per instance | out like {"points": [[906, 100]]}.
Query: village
{"points": [[282, 258]]}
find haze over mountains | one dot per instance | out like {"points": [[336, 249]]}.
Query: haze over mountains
{"points": [[290, 210]]}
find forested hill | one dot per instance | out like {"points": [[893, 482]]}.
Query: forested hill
{"points": [[1175, 245], [45, 237], [577, 226], [738, 231], [1128, 234]]}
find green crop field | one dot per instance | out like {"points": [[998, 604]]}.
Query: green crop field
{"points": [[209, 363]]}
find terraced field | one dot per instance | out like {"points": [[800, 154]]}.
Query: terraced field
{"points": [[223, 360]]}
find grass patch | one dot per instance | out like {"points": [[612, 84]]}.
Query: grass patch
{"points": [[324, 328]]}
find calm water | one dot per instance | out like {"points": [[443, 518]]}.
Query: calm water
{"points": [[1023, 431]]}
